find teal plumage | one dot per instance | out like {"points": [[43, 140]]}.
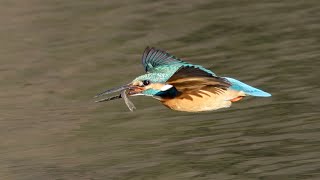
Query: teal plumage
{"points": [[248, 90]]}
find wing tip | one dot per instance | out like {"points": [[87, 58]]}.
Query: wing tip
{"points": [[148, 49], [153, 56]]}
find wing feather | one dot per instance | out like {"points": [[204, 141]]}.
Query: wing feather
{"points": [[194, 81], [153, 57]]}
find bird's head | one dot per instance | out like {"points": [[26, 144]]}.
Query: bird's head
{"points": [[149, 85]]}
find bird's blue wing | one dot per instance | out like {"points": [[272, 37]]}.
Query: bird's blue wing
{"points": [[156, 60], [153, 58], [248, 90]]}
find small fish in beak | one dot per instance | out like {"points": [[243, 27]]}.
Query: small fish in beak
{"points": [[125, 90]]}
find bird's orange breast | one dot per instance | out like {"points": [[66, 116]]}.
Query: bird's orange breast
{"points": [[205, 101]]}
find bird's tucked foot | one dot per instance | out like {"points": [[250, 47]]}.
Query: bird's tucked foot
{"points": [[236, 99]]}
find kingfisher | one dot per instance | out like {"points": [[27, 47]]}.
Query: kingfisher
{"points": [[182, 86]]}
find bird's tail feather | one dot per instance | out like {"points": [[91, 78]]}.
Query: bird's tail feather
{"points": [[248, 90]]}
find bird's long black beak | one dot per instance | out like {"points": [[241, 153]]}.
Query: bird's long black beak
{"points": [[125, 90], [113, 90], [131, 90]]}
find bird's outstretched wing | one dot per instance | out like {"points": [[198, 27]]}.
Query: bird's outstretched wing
{"points": [[194, 81], [153, 58]]}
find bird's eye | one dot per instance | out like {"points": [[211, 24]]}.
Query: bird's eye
{"points": [[146, 82]]}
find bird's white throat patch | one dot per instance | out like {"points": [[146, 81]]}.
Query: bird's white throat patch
{"points": [[166, 87]]}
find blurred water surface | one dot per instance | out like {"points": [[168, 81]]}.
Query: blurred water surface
{"points": [[56, 55]]}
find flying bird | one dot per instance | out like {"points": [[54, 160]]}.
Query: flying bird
{"points": [[182, 86]]}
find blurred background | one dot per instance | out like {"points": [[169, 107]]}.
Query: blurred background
{"points": [[56, 55]]}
